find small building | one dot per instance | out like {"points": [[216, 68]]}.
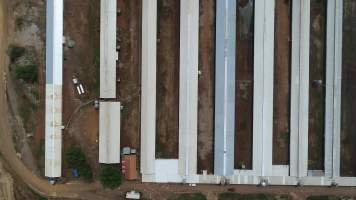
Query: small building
{"points": [[129, 167]]}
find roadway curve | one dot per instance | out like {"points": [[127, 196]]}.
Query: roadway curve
{"points": [[16, 166]]}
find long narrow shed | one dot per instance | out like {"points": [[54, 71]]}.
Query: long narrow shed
{"points": [[53, 107], [108, 53], [109, 132]]}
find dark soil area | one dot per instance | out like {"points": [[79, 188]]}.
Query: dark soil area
{"points": [[282, 77], [348, 96], [317, 79], [129, 70], [244, 85], [167, 107], [206, 86]]}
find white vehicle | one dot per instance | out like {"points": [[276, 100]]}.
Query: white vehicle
{"points": [[81, 88], [133, 195], [78, 90], [75, 81]]}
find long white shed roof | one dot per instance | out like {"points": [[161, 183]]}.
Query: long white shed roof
{"points": [[225, 87], [148, 94], [108, 54], [53, 110], [109, 132]]}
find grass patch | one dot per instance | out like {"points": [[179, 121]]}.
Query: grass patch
{"points": [[237, 196], [195, 196], [20, 22], [42, 148], [318, 198], [26, 110], [75, 159], [110, 176], [28, 73], [42, 198]]}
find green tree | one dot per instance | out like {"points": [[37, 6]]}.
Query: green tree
{"points": [[28, 73], [15, 52], [75, 159], [110, 176]]}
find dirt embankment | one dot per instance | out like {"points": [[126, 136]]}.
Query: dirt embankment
{"points": [[24, 46], [6, 182]]}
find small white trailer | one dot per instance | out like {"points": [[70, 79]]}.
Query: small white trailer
{"points": [[133, 195]]}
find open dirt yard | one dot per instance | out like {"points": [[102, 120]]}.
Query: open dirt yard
{"points": [[80, 61]]}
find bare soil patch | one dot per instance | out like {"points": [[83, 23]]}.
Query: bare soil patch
{"points": [[317, 80], [206, 86], [348, 96], [81, 25], [129, 70], [244, 85], [167, 106], [282, 77]]}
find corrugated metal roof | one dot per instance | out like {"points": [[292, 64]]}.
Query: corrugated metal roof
{"points": [[108, 52], [129, 167], [53, 110], [148, 94], [225, 87], [109, 132], [188, 87]]}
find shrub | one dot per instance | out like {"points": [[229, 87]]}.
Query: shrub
{"points": [[318, 198], [195, 196], [75, 159], [110, 177], [86, 173], [42, 198], [20, 23], [15, 52], [28, 73]]}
